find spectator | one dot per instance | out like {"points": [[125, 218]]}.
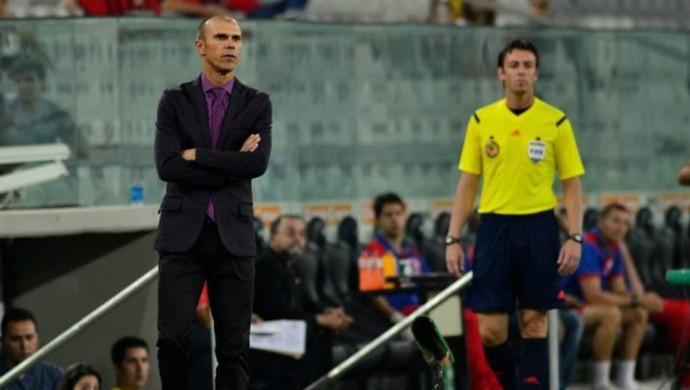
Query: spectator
{"points": [[476, 15], [389, 214], [19, 341], [34, 119], [684, 174], [599, 282], [278, 294], [4, 9], [120, 7], [45, 8], [199, 8], [80, 376], [130, 358], [540, 9], [286, 9]]}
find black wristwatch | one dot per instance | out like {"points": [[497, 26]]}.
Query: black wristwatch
{"points": [[577, 237], [634, 301], [450, 240]]}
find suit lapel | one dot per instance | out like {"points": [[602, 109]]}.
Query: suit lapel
{"points": [[199, 101], [238, 100]]}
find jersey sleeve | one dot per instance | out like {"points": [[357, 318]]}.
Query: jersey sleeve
{"points": [[588, 262], [568, 159], [471, 156]]}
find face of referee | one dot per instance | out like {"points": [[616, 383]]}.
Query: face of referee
{"points": [[219, 44], [519, 72], [614, 226], [391, 222]]}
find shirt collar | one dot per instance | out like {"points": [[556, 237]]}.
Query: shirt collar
{"points": [[596, 232], [386, 244], [206, 85]]}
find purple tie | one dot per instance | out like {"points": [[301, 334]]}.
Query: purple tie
{"points": [[216, 112]]}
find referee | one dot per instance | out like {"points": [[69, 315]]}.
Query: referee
{"points": [[517, 144]]}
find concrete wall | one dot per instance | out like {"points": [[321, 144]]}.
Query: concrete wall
{"points": [[63, 278]]}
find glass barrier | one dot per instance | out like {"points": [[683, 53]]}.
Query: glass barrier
{"points": [[358, 109]]}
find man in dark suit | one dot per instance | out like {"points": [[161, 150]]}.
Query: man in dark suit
{"points": [[213, 135]]}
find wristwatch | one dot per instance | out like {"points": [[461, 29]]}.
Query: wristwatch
{"points": [[577, 237], [450, 240], [634, 301]]}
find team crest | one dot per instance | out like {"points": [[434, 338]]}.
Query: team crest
{"points": [[491, 149]]}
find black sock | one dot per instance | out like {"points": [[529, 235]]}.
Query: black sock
{"points": [[501, 358], [534, 364]]}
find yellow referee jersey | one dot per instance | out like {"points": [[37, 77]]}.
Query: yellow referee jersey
{"points": [[518, 155]]}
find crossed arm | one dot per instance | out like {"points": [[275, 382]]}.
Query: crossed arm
{"points": [[208, 168]]}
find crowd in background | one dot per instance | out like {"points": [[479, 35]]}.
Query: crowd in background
{"points": [[457, 12], [20, 341]]}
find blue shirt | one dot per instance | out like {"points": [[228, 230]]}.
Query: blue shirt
{"points": [[42, 376], [410, 262], [598, 261]]}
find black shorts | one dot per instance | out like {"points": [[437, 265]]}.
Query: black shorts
{"points": [[515, 262]]}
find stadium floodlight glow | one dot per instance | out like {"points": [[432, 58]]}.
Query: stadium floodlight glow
{"points": [[17, 155]]}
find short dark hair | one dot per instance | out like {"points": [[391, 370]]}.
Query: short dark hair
{"points": [[611, 207], [16, 315], [518, 44], [74, 373], [276, 223], [384, 199], [27, 65], [117, 353]]}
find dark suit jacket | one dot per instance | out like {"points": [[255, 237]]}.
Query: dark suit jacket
{"points": [[225, 173]]}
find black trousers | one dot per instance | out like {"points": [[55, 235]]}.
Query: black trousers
{"points": [[231, 293]]}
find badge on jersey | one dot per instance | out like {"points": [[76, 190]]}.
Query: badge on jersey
{"points": [[491, 149], [536, 150]]}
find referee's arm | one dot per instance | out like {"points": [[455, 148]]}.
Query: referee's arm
{"points": [[465, 194], [569, 258]]}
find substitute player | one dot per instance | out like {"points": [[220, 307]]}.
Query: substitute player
{"points": [[517, 144]]}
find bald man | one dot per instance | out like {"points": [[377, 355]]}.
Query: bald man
{"points": [[213, 136]]}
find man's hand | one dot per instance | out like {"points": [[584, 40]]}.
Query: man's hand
{"points": [[652, 302], [573, 302], [189, 154], [251, 143], [256, 319], [334, 319], [455, 259], [569, 258]]}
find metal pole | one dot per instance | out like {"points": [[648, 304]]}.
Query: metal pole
{"points": [[553, 350], [350, 362], [79, 326]]}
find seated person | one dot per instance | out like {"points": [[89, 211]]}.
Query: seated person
{"points": [[389, 214], [19, 341], [673, 317], [31, 119], [130, 358], [80, 376], [278, 295], [608, 304]]}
